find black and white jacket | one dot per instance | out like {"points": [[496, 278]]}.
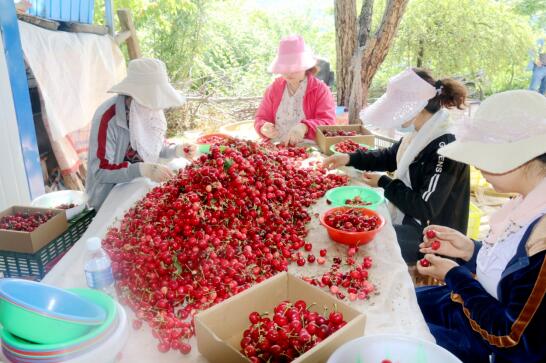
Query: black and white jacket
{"points": [[441, 187]]}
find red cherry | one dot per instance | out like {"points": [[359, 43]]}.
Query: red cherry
{"points": [[137, 324], [185, 348], [349, 146], [254, 317], [435, 245], [300, 305], [189, 241], [424, 262], [163, 347], [431, 234], [336, 317]]}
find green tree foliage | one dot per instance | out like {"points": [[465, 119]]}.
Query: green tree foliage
{"points": [[241, 42], [223, 47], [476, 39], [535, 9]]}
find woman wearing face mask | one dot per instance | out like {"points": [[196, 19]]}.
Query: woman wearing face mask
{"points": [[128, 131], [427, 188], [297, 102], [493, 306]]}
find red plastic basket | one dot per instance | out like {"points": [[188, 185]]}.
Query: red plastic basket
{"points": [[352, 238]]}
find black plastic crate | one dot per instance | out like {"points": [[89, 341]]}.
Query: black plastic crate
{"points": [[34, 266]]}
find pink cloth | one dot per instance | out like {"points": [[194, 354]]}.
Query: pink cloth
{"points": [[318, 105], [517, 213]]}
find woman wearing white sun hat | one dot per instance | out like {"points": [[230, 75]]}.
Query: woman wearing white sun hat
{"points": [[501, 311], [128, 131], [426, 187]]}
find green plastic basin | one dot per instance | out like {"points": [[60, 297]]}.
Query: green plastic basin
{"points": [[69, 346], [338, 196]]}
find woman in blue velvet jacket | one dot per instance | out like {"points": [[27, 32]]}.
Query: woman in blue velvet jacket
{"points": [[493, 306]]}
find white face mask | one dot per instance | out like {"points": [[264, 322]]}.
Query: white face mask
{"points": [[147, 130], [407, 129]]}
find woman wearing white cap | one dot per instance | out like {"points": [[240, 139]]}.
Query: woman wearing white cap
{"points": [[494, 303], [297, 102], [128, 131], [426, 187]]}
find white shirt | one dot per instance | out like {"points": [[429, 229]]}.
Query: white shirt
{"points": [[493, 258], [290, 111]]}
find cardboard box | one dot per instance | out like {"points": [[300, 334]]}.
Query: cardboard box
{"points": [[30, 242], [324, 143], [219, 329]]}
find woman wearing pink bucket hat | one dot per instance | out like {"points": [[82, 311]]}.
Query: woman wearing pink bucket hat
{"points": [[297, 102], [492, 307], [426, 188]]}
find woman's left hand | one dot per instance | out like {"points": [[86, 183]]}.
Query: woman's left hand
{"points": [[295, 135], [438, 266], [187, 151], [372, 179]]}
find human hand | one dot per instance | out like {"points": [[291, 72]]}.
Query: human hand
{"points": [[438, 267], [336, 161], [268, 130], [446, 241], [156, 172], [187, 151], [22, 6], [371, 179], [295, 135]]}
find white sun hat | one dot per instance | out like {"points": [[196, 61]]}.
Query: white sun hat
{"points": [[148, 84], [508, 130], [407, 94]]}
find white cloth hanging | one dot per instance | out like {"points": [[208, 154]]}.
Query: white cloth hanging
{"points": [[73, 71]]}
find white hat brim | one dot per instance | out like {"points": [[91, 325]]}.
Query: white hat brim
{"points": [[156, 96], [388, 113], [495, 158]]}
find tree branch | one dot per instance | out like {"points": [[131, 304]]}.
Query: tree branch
{"points": [[365, 22], [375, 53]]}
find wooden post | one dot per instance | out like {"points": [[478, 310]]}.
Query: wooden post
{"points": [[128, 33], [109, 16]]}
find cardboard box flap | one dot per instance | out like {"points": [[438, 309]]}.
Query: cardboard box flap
{"points": [[224, 323], [219, 329], [31, 242], [364, 136]]}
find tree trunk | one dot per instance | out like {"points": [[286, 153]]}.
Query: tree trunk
{"points": [[365, 22], [372, 54], [345, 19]]}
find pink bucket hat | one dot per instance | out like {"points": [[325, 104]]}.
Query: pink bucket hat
{"points": [[407, 95], [293, 56]]}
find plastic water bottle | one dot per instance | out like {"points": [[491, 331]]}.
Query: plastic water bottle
{"points": [[98, 268]]}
